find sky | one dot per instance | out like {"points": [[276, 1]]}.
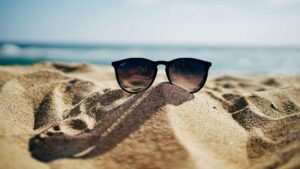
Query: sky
{"points": [[191, 22]]}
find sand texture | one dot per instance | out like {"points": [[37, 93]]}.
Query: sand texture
{"points": [[76, 116]]}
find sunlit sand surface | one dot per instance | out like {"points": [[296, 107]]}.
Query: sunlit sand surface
{"points": [[76, 116]]}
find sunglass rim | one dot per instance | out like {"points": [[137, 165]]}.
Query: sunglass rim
{"points": [[116, 64]]}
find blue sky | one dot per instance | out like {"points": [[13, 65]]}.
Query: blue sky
{"points": [[228, 22]]}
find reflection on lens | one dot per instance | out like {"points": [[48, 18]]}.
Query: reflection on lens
{"points": [[187, 74], [135, 75]]}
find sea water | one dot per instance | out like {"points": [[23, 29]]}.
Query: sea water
{"points": [[225, 60]]}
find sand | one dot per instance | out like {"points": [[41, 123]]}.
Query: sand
{"points": [[75, 116]]}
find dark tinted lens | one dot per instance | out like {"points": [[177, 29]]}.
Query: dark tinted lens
{"points": [[135, 75], [187, 73]]}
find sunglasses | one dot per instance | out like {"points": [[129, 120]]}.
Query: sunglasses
{"points": [[135, 75]]}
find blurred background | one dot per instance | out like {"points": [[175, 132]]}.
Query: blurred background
{"points": [[238, 37]]}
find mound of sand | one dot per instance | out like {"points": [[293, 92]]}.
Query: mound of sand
{"points": [[75, 116]]}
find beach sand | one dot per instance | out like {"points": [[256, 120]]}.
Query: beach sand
{"points": [[76, 116]]}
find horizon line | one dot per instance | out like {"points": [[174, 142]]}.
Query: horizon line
{"points": [[140, 44]]}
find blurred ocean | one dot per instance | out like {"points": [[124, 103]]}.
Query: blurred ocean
{"points": [[225, 60]]}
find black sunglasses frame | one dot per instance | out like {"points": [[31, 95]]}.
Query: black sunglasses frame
{"points": [[167, 64]]}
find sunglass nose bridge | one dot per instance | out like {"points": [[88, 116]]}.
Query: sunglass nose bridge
{"points": [[161, 63]]}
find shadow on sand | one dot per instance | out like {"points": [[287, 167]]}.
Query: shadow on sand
{"points": [[112, 125]]}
